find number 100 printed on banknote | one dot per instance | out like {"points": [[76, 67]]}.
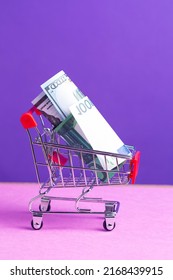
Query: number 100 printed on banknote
{"points": [[98, 132]]}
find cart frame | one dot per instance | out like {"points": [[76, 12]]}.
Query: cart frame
{"points": [[67, 168]]}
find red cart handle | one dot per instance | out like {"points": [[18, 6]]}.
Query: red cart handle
{"points": [[27, 119], [134, 167]]}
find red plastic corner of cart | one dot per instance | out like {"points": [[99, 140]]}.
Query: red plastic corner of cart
{"points": [[38, 112], [135, 166], [58, 158], [28, 121]]}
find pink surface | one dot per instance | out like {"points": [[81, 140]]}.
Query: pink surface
{"points": [[144, 226]]}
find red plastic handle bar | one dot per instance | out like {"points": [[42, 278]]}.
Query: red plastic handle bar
{"points": [[27, 119], [134, 167]]}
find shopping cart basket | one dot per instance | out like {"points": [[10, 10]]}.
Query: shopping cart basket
{"points": [[70, 164]]}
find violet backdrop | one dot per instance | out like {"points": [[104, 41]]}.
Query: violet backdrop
{"points": [[119, 53]]}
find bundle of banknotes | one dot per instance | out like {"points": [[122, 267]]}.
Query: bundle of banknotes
{"points": [[76, 118]]}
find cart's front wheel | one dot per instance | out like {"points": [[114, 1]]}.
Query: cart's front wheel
{"points": [[36, 225], [109, 226]]}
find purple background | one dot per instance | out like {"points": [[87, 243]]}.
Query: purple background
{"points": [[119, 53]]}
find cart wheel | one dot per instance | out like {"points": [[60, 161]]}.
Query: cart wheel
{"points": [[44, 208], [109, 226], [36, 225]]}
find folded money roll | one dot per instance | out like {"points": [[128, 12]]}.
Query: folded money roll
{"points": [[62, 92]]}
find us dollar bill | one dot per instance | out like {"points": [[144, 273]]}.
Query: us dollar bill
{"points": [[62, 92], [45, 106]]}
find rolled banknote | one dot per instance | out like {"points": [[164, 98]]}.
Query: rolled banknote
{"points": [[90, 131], [74, 139], [62, 92], [45, 106]]}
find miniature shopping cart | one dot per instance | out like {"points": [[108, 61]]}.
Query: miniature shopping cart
{"points": [[70, 163]]}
